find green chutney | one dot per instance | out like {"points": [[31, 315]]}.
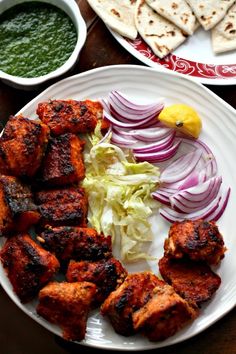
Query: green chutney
{"points": [[35, 38]]}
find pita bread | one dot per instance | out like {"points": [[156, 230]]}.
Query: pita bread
{"points": [[210, 12], [160, 34], [224, 34], [117, 14], [176, 11]]}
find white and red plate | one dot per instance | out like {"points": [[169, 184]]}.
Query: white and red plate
{"points": [[219, 130], [194, 58]]}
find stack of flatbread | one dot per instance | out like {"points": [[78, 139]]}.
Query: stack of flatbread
{"points": [[165, 24]]}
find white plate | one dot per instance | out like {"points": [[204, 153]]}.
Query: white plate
{"points": [[193, 58], [219, 131]]}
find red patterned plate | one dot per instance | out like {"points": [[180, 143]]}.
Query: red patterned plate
{"points": [[194, 58]]}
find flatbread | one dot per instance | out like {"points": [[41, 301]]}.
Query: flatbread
{"points": [[160, 34], [117, 14], [224, 34], [176, 11], [210, 12]]}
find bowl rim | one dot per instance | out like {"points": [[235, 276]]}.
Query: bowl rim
{"points": [[71, 8]]}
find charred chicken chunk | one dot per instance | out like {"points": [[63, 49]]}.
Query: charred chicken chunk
{"points": [[67, 305], [22, 146], [106, 274], [133, 294], [164, 314], [194, 281], [28, 266], [17, 210], [76, 243], [199, 240], [70, 116], [66, 206], [63, 163]]}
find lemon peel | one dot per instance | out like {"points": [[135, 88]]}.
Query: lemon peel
{"points": [[183, 118]]}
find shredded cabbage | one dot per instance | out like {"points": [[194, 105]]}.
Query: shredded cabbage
{"points": [[119, 192]]}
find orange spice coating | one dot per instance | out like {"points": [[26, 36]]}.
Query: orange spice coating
{"points": [[199, 240], [17, 209], [63, 162], [22, 146], [28, 266], [107, 274], [67, 305], [70, 116], [65, 206]]}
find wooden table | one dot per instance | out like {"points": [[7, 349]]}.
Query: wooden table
{"points": [[21, 335]]}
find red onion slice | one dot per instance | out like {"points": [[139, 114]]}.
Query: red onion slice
{"points": [[196, 198], [106, 135], [121, 141], [129, 106], [153, 134], [181, 168], [117, 123], [158, 156], [161, 145], [212, 212], [208, 156]]}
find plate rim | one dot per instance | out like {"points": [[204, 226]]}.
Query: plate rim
{"points": [[135, 53], [37, 318]]}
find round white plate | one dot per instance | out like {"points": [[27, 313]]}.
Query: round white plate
{"points": [[219, 131], [193, 58]]}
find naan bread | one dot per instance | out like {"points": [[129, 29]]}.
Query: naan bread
{"points": [[160, 34], [210, 12], [117, 14], [224, 34], [176, 11]]}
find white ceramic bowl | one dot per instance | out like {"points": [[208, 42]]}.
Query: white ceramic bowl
{"points": [[71, 9]]}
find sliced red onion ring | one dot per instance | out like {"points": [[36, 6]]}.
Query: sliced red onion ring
{"points": [[181, 168], [158, 156], [151, 134], [106, 135], [130, 107], [208, 156], [193, 179], [222, 205], [212, 212], [119, 113], [117, 123], [196, 198], [122, 142], [160, 145]]}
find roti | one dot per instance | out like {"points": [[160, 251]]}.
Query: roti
{"points": [[224, 34], [176, 11], [210, 12], [160, 34], [117, 14]]}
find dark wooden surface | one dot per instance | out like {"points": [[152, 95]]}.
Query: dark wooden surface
{"points": [[21, 335]]}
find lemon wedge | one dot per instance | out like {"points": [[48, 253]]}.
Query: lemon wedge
{"points": [[183, 118]]}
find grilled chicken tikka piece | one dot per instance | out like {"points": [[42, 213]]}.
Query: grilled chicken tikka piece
{"points": [[17, 209], [194, 281], [63, 162], [76, 243], [164, 314], [22, 146], [199, 240], [133, 294], [28, 266], [67, 305], [65, 206], [106, 274], [70, 116]]}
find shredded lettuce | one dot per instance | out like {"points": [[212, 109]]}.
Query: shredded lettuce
{"points": [[119, 192]]}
